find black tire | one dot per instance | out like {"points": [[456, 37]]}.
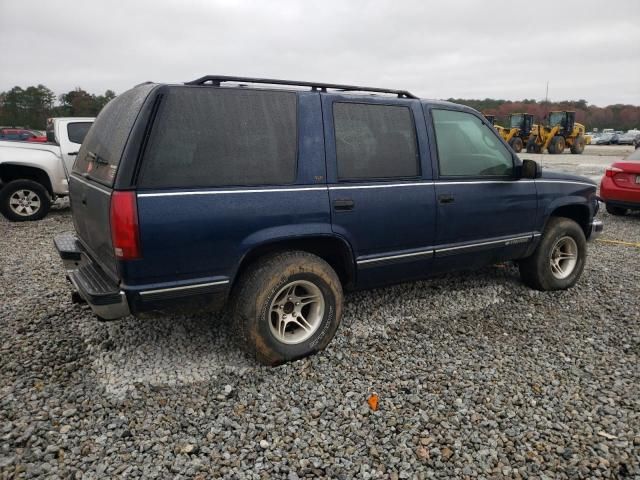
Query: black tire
{"points": [[532, 146], [557, 145], [617, 211], [258, 288], [536, 270], [24, 213], [578, 145], [516, 144]]}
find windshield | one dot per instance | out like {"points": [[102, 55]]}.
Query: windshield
{"points": [[516, 121], [556, 118]]}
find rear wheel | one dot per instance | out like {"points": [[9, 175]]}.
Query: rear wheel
{"points": [[24, 200], [559, 259], [617, 211], [287, 306], [516, 144], [578, 145]]}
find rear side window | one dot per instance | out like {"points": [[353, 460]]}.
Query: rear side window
{"points": [[469, 147], [104, 144], [215, 137], [375, 141], [77, 131]]}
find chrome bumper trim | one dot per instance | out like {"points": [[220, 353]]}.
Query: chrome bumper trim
{"points": [[596, 229]]}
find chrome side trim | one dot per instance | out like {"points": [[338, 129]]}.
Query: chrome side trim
{"points": [[384, 185], [185, 287], [505, 241], [221, 192], [393, 257], [575, 182], [95, 187], [480, 182]]}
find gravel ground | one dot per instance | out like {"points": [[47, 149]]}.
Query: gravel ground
{"points": [[477, 376]]}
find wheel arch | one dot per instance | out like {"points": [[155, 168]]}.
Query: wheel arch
{"points": [[333, 249], [10, 172], [578, 212]]}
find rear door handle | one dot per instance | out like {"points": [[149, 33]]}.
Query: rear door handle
{"points": [[343, 204], [446, 198]]}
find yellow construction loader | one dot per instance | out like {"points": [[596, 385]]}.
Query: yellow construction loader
{"points": [[559, 131], [518, 132], [520, 126]]}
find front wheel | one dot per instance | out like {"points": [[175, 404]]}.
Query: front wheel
{"points": [[287, 306], [24, 200], [559, 260]]}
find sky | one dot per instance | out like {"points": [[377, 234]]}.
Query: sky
{"points": [[435, 49]]}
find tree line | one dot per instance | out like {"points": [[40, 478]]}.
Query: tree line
{"points": [[31, 106], [618, 117]]}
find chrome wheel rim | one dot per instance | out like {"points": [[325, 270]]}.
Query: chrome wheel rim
{"points": [[24, 202], [296, 312], [564, 257]]}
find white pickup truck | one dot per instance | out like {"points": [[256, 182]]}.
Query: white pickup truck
{"points": [[33, 175]]}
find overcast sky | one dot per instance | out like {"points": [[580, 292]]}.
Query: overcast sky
{"points": [[436, 49]]}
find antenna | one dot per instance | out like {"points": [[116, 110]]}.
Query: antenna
{"points": [[546, 95]]}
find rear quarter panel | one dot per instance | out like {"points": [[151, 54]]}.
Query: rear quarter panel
{"points": [[191, 236]]}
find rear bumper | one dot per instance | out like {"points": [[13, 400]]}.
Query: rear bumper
{"points": [[94, 286]]}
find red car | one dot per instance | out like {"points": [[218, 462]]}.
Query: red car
{"points": [[21, 134], [620, 186]]}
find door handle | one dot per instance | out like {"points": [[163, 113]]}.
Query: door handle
{"points": [[72, 154], [343, 204], [446, 198]]}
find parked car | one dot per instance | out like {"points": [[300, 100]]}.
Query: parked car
{"points": [[629, 138], [604, 139], [276, 200], [32, 175], [620, 185], [21, 134]]}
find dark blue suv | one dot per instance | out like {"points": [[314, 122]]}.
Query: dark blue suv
{"points": [[278, 195]]}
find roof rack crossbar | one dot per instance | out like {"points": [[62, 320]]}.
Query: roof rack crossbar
{"points": [[216, 80]]}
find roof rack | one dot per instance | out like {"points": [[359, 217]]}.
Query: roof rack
{"points": [[215, 80]]}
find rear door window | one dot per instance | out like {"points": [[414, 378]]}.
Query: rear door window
{"points": [[375, 141], [207, 137], [76, 131], [103, 145]]}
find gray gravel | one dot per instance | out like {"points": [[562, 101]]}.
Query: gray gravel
{"points": [[477, 376]]}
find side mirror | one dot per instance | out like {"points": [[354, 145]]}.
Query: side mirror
{"points": [[531, 169]]}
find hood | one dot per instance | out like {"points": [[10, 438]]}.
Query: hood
{"points": [[551, 175]]}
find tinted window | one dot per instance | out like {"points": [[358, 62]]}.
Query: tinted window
{"points": [[469, 147], [77, 131], [216, 136], [375, 141], [103, 145]]}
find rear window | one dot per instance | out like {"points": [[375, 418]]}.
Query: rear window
{"points": [[221, 137], [103, 145], [375, 141], [77, 131]]}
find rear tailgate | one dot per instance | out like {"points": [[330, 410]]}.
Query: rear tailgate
{"points": [[94, 174]]}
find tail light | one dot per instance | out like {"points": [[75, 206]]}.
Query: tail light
{"points": [[125, 232], [622, 178], [611, 171]]}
